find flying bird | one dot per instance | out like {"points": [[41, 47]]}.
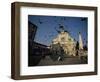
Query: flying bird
{"points": [[64, 18], [40, 21]]}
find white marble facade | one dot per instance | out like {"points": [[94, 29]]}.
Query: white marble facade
{"points": [[67, 42]]}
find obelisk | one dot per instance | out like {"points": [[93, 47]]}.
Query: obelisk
{"points": [[80, 42]]}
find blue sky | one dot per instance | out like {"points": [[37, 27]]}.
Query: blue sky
{"points": [[48, 26]]}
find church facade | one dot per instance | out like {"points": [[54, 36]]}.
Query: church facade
{"points": [[67, 43]]}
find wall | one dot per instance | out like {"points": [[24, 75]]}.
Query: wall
{"points": [[5, 40]]}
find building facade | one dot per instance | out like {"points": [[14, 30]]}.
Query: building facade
{"points": [[66, 42]]}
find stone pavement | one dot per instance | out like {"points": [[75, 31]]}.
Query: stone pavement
{"points": [[68, 60]]}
